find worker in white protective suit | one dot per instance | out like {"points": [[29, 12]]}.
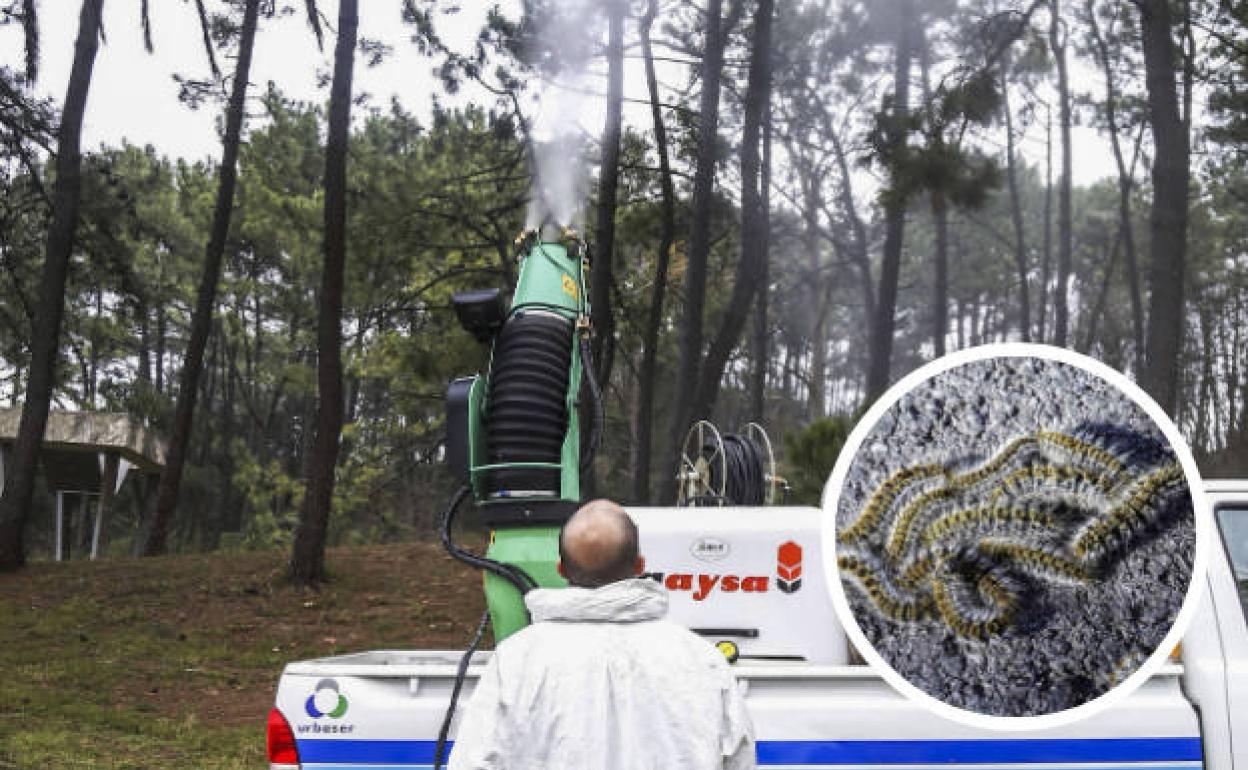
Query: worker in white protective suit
{"points": [[600, 680]]}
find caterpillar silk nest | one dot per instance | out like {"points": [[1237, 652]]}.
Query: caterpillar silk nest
{"points": [[993, 566]]}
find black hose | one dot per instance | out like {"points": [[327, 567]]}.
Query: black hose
{"points": [[439, 752], [523, 583], [745, 481], [509, 572], [590, 449]]}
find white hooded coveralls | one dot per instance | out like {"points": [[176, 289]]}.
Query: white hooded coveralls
{"points": [[601, 681]]}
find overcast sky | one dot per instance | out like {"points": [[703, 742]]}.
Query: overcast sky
{"points": [[133, 94]]}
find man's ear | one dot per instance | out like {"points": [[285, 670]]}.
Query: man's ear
{"points": [[639, 566], [559, 569]]}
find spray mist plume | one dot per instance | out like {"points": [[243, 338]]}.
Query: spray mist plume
{"points": [[561, 53]]}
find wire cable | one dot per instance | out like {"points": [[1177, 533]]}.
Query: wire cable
{"points": [[439, 752], [509, 572], [523, 583]]}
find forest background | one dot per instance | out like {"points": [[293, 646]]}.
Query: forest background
{"points": [[791, 205]]}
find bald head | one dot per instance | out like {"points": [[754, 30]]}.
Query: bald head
{"points": [[598, 545]]}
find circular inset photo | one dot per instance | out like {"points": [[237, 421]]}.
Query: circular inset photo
{"points": [[1014, 532]]}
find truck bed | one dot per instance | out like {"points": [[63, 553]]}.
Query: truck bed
{"points": [[805, 716]]}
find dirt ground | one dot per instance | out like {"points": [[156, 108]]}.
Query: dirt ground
{"points": [[188, 649]]}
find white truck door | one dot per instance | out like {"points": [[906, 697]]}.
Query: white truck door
{"points": [[1228, 580]]}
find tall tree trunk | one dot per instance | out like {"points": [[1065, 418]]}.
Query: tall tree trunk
{"points": [[859, 246], [1098, 307], [1208, 381], [750, 268], [667, 235], [1168, 218], [1125, 179], [45, 341], [940, 282], [690, 353], [940, 220], [1016, 209], [1188, 54], [1065, 235], [307, 562], [608, 183], [161, 337], [95, 347], [206, 296], [817, 382], [231, 516], [758, 382], [1046, 260], [961, 323], [142, 316], [881, 348]]}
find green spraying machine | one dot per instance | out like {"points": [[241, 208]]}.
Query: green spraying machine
{"points": [[514, 434]]}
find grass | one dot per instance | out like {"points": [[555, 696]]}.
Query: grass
{"points": [[173, 661]]}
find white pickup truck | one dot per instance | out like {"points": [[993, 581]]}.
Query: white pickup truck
{"points": [[737, 575]]}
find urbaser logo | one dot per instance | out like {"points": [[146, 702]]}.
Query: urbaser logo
{"points": [[789, 567]]}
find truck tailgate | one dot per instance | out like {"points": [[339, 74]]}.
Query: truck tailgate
{"points": [[804, 716]]}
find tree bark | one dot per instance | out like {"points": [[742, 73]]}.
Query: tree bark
{"points": [[603, 269], [1102, 295], [940, 220], [160, 349], [1168, 218], [667, 235], [859, 246], [307, 563], [1065, 235], [817, 383], [940, 282], [154, 542], [751, 267], [141, 316], [1208, 381], [46, 337], [690, 353], [1046, 261], [1016, 209], [758, 382], [881, 348], [1125, 179]]}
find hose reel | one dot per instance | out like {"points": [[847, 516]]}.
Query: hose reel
{"points": [[718, 469]]}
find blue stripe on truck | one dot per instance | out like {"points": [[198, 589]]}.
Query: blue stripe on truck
{"points": [[993, 751]]}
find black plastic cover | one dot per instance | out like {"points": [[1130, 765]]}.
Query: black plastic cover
{"points": [[481, 312], [503, 513], [457, 456]]}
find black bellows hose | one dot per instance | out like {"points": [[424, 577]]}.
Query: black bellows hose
{"points": [[527, 413]]}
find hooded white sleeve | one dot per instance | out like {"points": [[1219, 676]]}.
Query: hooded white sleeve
{"points": [[483, 738]]}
